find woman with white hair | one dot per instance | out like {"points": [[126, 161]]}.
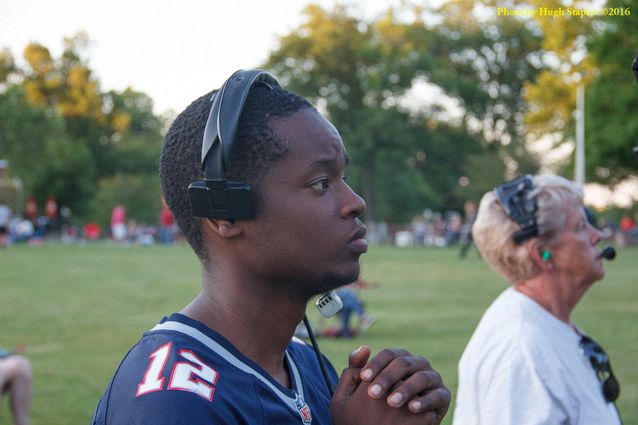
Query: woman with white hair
{"points": [[527, 362]]}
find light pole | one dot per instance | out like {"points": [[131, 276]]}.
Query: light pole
{"points": [[579, 174]]}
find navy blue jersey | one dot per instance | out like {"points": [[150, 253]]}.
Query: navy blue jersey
{"points": [[182, 372]]}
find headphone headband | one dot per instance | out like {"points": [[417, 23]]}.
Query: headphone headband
{"points": [[221, 126], [514, 197]]}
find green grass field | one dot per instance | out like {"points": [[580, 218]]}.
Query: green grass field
{"points": [[80, 308]]}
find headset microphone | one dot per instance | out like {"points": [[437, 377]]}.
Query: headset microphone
{"points": [[329, 304], [608, 253]]}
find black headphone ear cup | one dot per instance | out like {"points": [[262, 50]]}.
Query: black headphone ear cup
{"points": [[240, 200], [198, 195], [230, 201]]}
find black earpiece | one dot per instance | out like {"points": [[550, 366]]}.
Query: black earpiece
{"points": [[216, 197]]}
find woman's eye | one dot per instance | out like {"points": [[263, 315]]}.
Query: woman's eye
{"points": [[320, 184]]}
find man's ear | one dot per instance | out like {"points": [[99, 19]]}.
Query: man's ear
{"points": [[224, 228]]}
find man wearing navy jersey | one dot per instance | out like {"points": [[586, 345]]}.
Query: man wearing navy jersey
{"points": [[229, 357]]}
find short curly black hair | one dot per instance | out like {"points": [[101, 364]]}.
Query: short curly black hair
{"points": [[256, 146]]}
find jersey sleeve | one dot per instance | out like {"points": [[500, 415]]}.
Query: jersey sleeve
{"points": [[162, 382], [164, 408]]}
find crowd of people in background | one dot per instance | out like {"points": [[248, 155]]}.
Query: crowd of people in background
{"points": [[454, 228], [30, 227], [56, 224], [431, 228]]}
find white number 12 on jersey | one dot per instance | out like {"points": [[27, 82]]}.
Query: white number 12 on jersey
{"points": [[193, 376]]}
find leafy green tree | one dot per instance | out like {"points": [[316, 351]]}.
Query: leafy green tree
{"points": [[131, 178], [136, 139], [69, 86], [67, 138], [552, 96], [483, 172], [138, 192], [35, 142], [485, 64], [595, 52], [7, 65], [611, 127], [358, 72]]}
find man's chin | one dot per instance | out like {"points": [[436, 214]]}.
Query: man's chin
{"points": [[329, 281]]}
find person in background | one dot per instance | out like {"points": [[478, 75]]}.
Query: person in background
{"points": [[118, 224], [16, 380], [166, 224], [352, 305], [5, 221], [527, 361], [626, 226], [466, 232]]}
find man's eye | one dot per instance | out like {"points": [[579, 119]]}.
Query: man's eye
{"points": [[320, 184]]}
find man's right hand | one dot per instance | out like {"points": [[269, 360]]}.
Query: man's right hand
{"points": [[352, 403]]}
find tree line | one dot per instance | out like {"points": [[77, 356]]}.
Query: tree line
{"points": [[436, 106], [65, 137]]}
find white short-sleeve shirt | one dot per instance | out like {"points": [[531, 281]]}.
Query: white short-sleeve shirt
{"points": [[524, 366]]}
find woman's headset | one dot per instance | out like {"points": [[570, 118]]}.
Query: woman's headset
{"points": [[514, 197]]}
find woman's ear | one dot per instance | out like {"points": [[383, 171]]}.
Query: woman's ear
{"points": [[541, 256], [224, 228]]}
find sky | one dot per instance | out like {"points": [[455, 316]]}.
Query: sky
{"points": [[174, 51]]}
